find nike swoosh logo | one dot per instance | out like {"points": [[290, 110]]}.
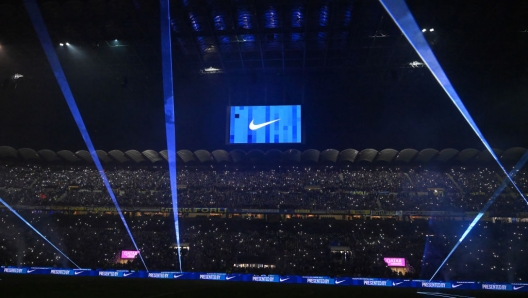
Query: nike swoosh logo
{"points": [[77, 272], [176, 276], [396, 283], [455, 286], [281, 280], [29, 271], [254, 126], [516, 288], [127, 274], [338, 282], [231, 277]]}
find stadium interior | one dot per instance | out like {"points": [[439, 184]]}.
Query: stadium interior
{"points": [[384, 169]]}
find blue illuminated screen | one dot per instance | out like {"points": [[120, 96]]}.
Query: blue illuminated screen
{"points": [[264, 124]]}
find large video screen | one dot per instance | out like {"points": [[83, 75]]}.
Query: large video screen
{"points": [[264, 124]]}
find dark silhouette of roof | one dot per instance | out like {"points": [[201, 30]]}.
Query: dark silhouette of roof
{"points": [[429, 155]]}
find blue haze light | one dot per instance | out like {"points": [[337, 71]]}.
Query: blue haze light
{"points": [[497, 192], [36, 231], [170, 128], [47, 45], [402, 16]]}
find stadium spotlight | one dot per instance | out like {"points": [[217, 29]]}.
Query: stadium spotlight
{"points": [[423, 30], [61, 44], [431, 30], [67, 43]]}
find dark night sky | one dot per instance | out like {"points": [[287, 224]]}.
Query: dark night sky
{"points": [[377, 106]]}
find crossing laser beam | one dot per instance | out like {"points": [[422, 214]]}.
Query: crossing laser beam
{"points": [[36, 231], [170, 129], [497, 192], [45, 40]]}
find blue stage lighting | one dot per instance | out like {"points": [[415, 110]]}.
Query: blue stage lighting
{"points": [[168, 91], [402, 16], [297, 19], [219, 22], [36, 231], [47, 45], [272, 20], [245, 19]]}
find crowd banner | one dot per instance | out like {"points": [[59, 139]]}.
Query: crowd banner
{"points": [[272, 278]]}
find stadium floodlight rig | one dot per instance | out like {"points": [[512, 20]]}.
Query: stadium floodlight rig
{"points": [[402, 16], [170, 129], [45, 40], [36, 231]]}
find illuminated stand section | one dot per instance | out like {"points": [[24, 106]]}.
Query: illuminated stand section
{"points": [[170, 129], [403, 18], [47, 45], [36, 231]]}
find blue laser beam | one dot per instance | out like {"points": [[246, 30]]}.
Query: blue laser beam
{"points": [[36, 231], [497, 192], [168, 92], [402, 16], [47, 45]]}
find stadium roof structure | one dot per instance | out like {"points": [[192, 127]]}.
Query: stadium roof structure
{"points": [[226, 36], [292, 156], [253, 52]]}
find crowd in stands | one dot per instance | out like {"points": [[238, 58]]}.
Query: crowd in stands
{"points": [[492, 252], [414, 188], [297, 246]]}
